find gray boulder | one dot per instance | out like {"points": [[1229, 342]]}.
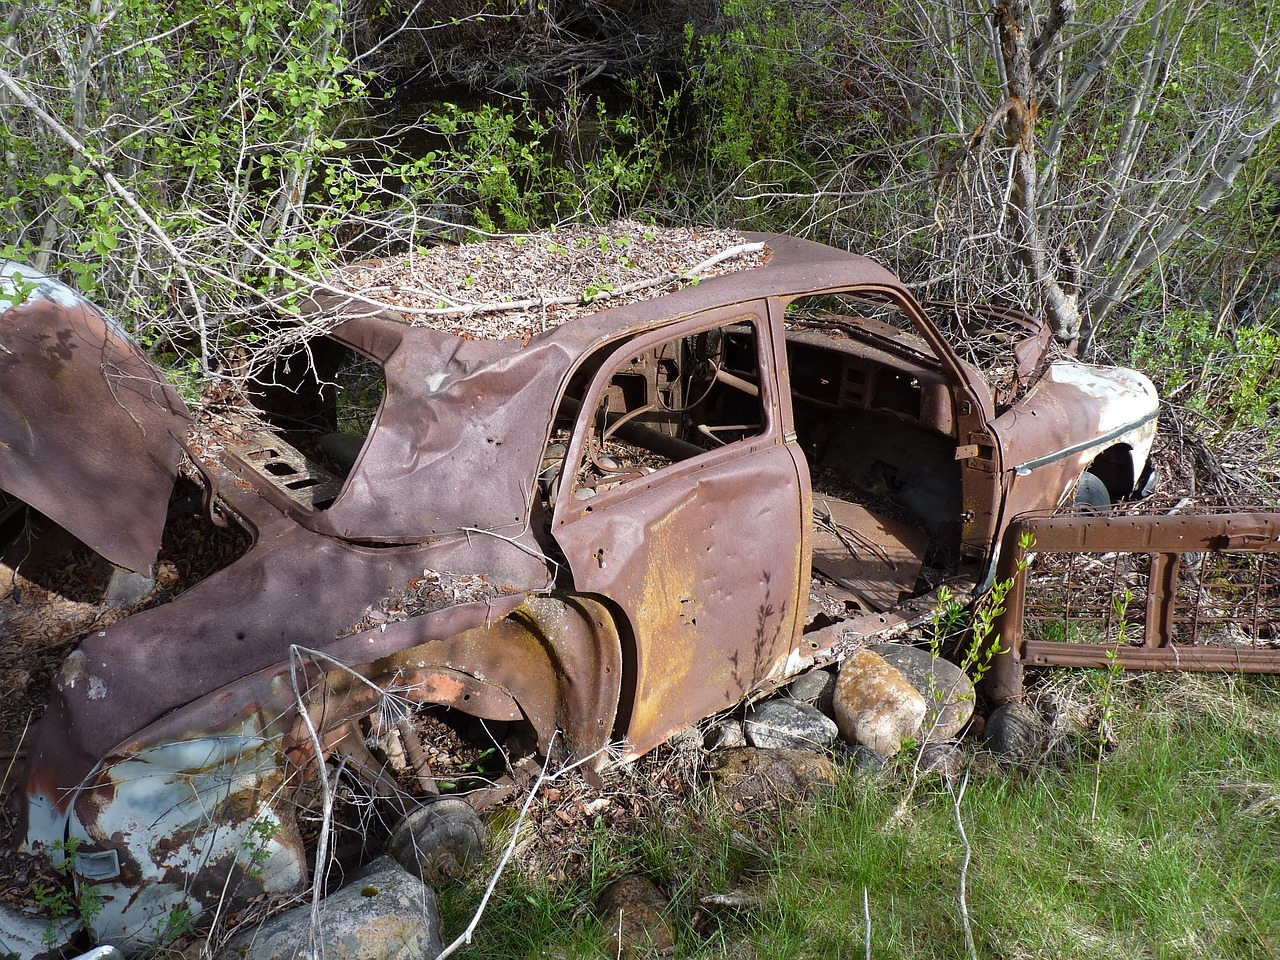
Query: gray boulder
{"points": [[863, 759], [1015, 732], [814, 687], [784, 723], [382, 913]]}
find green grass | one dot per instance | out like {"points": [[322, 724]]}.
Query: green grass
{"points": [[1179, 857]]}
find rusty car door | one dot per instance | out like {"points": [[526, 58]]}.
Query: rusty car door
{"points": [[701, 553]]}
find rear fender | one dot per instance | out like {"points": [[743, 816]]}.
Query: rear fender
{"points": [[90, 431], [196, 811], [554, 661]]}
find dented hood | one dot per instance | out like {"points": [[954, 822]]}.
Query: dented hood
{"points": [[90, 432]]}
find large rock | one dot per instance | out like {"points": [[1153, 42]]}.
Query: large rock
{"points": [[875, 705], [947, 690], [382, 913], [750, 776], [633, 909], [784, 723]]}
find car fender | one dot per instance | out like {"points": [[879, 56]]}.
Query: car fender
{"points": [[90, 431], [195, 810]]}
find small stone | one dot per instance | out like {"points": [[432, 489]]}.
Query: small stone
{"points": [[946, 759], [814, 687], [751, 776], [788, 723], [947, 690], [126, 588], [686, 739], [875, 705], [632, 908], [381, 913], [1015, 732], [864, 759], [725, 734]]}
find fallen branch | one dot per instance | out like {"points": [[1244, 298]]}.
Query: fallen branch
{"points": [[326, 798], [469, 309], [956, 797]]}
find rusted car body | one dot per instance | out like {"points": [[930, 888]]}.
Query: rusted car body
{"points": [[610, 530]]}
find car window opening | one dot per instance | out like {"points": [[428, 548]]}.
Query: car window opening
{"points": [[684, 398], [316, 410]]}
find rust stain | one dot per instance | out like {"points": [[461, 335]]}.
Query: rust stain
{"points": [[669, 586]]}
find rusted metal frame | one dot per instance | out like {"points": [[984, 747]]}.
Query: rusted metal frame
{"points": [[1166, 539], [1162, 597], [1262, 569], [1045, 653]]}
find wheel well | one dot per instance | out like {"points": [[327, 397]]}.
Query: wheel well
{"points": [[1114, 467]]}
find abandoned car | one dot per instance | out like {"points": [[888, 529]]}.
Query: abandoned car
{"points": [[605, 532]]}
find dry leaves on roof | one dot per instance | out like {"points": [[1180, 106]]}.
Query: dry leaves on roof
{"points": [[516, 286]]}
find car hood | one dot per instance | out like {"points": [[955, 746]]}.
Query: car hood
{"points": [[90, 432]]}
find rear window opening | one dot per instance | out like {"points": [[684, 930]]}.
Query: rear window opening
{"points": [[315, 410]]}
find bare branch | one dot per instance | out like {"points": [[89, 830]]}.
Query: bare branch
{"points": [[97, 166]]}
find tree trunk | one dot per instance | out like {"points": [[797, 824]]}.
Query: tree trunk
{"points": [[1020, 112]]}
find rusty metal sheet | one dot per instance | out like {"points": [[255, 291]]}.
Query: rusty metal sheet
{"points": [[90, 432], [195, 809], [1188, 591], [1074, 415], [292, 588], [877, 558]]}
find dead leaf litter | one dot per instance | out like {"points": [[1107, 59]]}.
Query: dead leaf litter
{"points": [[514, 287]]}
